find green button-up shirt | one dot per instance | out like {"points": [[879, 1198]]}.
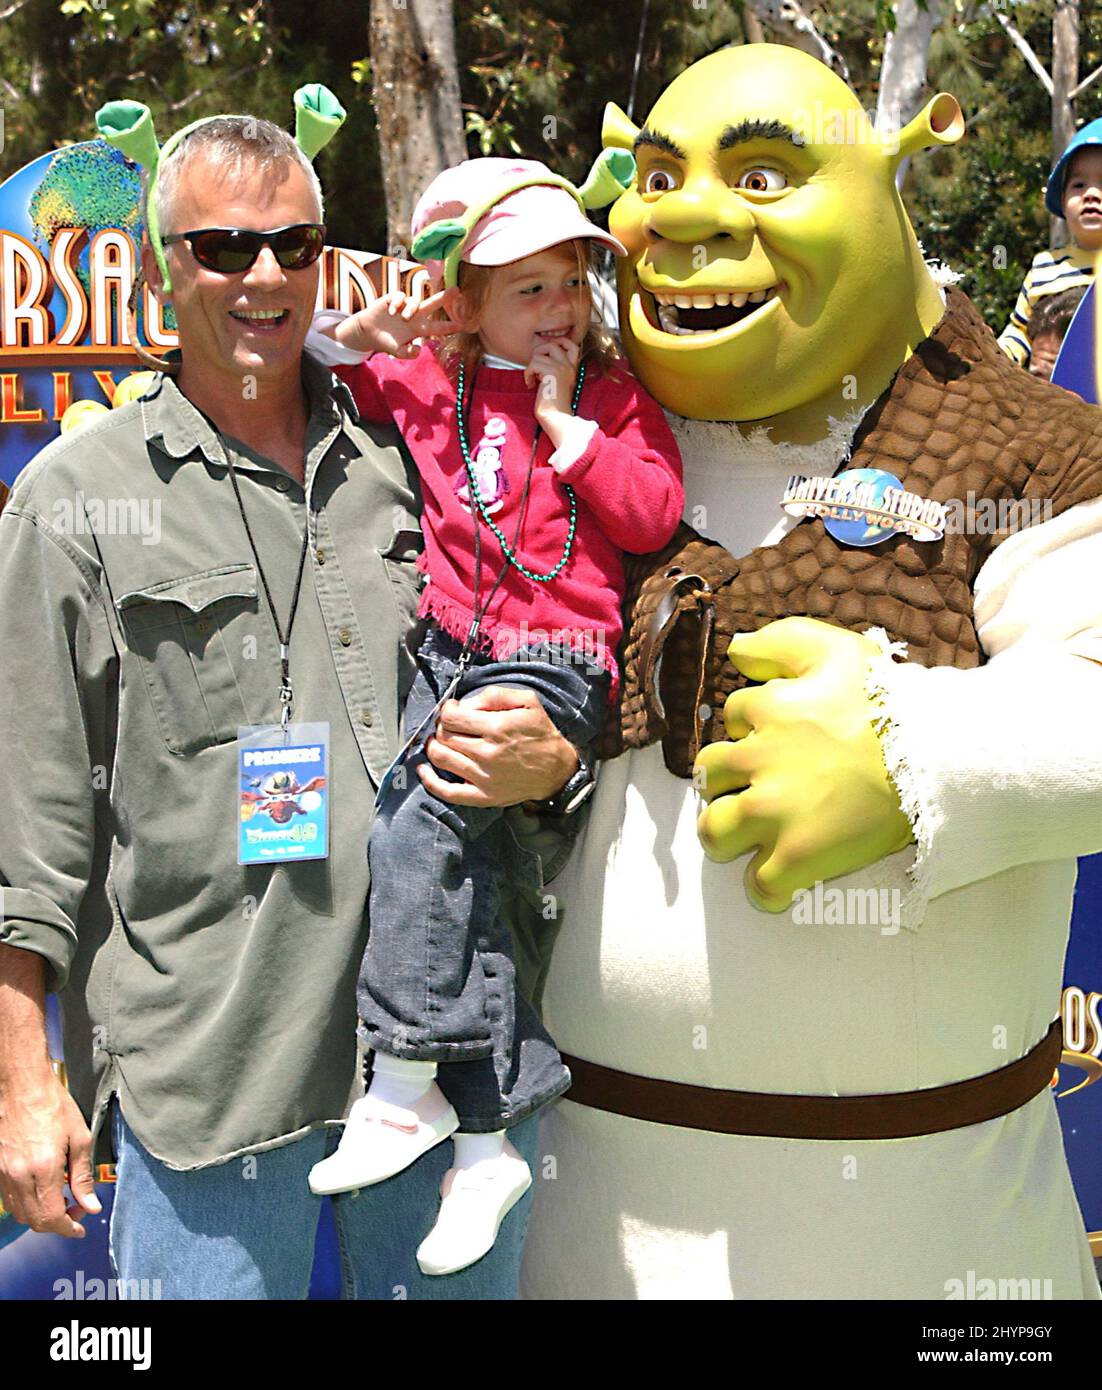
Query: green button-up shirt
{"points": [[135, 640]]}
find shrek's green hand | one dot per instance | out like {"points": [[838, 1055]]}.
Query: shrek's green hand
{"points": [[803, 778]]}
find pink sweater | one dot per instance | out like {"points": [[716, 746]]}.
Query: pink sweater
{"points": [[627, 482]]}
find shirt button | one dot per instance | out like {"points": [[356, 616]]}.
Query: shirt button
{"points": [[366, 719], [283, 484], [344, 637]]}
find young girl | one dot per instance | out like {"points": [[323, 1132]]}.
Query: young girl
{"points": [[541, 460]]}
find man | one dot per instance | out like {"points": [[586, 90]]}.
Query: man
{"points": [[823, 1070], [219, 997]]}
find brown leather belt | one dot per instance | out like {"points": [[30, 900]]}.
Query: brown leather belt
{"points": [[896, 1115]]}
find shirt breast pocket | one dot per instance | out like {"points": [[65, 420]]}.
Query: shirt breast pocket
{"points": [[207, 658]]}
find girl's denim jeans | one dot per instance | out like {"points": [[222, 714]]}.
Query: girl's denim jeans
{"points": [[438, 981]]}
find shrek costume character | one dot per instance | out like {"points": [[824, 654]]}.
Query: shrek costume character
{"points": [[818, 918], [208, 1003]]}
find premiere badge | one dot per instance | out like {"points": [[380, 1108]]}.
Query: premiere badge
{"points": [[864, 506], [283, 801]]}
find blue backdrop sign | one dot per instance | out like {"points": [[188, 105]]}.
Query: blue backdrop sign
{"points": [[1074, 366]]}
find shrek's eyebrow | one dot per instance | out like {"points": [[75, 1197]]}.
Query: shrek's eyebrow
{"points": [[660, 142], [757, 130]]}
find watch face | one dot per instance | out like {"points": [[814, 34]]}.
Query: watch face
{"points": [[580, 797]]}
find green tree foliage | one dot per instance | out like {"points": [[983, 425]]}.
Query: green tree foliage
{"points": [[537, 76]]}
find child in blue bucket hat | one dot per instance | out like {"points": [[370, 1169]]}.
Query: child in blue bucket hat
{"points": [[1074, 192]]}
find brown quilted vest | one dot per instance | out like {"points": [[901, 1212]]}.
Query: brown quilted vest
{"points": [[958, 419]]}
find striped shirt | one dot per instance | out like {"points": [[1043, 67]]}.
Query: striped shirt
{"points": [[1068, 268]]}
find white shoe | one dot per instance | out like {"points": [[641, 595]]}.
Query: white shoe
{"points": [[380, 1140], [475, 1202]]}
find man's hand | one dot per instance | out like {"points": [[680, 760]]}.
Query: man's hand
{"points": [[502, 743], [397, 324], [44, 1144], [803, 780], [554, 367]]}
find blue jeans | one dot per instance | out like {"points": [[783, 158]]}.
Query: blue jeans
{"points": [[246, 1229], [438, 981]]}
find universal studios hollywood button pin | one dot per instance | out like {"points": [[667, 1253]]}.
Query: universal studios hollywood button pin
{"points": [[864, 506]]}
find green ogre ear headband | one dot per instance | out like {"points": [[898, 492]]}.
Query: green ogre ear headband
{"points": [[128, 125], [444, 240]]}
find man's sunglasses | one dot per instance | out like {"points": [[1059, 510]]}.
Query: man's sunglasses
{"points": [[230, 250]]}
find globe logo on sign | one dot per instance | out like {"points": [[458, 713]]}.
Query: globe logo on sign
{"points": [[865, 488]]}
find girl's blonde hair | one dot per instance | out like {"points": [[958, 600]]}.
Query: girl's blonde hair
{"points": [[600, 349]]}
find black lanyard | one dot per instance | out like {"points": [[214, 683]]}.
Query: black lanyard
{"points": [[286, 694]]}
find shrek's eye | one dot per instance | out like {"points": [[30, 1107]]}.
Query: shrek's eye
{"points": [[763, 181], [659, 181]]}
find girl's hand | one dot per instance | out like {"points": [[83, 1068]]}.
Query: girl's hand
{"points": [[554, 366], [397, 324]]}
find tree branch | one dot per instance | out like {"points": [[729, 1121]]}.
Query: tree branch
{"points": [[751, 25], [1023, 48], [1086, 82], [220, 82], [788, 18]]}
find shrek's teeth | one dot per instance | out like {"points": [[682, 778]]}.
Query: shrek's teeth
{"points": [[683, 314]]}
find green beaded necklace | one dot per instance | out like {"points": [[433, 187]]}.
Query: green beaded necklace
{"points": [[462, 405]]}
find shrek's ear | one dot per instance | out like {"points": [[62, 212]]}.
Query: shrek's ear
{"points": [[940, 122], [610, 176], [618, 130], [318, 117], [128, 125]]}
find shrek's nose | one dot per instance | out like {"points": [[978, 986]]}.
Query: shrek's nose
{"points": [[697, 214]]}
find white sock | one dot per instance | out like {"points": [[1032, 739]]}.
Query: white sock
{"points": [[474, 1148], [399, 1081]]}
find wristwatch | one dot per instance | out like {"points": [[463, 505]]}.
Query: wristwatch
{"points": [[575, 793]]}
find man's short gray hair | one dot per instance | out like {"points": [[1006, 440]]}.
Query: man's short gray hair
{"points": [[239, 146]]}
